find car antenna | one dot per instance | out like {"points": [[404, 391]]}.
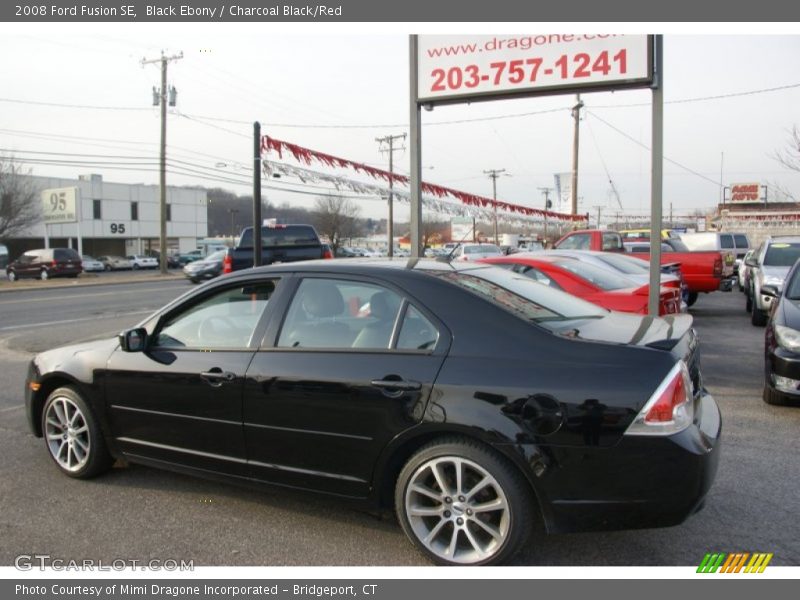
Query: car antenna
{"points": [[449, 257]]}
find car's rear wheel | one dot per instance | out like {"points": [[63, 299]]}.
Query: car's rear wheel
{"points": [[12, 276], [44, 275], [135, 267], [462, 504], [73, 436]]}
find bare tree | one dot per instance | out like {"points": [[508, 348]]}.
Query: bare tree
{"points": [[433, 230], [337, 218], [789, 157], [19, 200]]}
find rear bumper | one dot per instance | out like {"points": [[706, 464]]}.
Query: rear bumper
{"points": [[641, 482]]}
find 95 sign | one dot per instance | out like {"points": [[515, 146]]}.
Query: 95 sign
{"points": [[460, 68], [59, 205]]}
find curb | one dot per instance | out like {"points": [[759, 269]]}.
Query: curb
{"points": [[54, 284]]}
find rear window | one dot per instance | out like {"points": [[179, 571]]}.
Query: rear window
{"points": [[521, 296], [726, 241], [602, 278], [612, 241], [282, 235], [741, 241], [781, 254], [65, 254]]}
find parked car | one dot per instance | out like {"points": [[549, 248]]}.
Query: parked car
{"points": [[346, 252], [743, 274], [90, 264], [633, 268], [782, 341], [545, 407], [598, 285], [187, 257], [467, 252], [205, 268], [140, 261], [115, 263], [769, 265], [45, 263]]}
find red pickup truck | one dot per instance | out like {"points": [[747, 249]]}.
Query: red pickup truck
{"points": [[703, 271]]}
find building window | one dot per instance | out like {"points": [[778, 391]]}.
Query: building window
{"points": [[169, 212], [97, 210], [134, 211]]}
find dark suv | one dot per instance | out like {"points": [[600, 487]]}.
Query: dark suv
{"points": [[46, 263]]}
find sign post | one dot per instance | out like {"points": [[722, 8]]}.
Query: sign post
{"points": [[61, 205]]}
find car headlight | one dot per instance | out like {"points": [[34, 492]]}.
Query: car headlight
{"points": [[787, 338]]}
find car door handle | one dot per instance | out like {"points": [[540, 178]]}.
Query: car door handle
{"points": [[399, 385], [216, 376]]}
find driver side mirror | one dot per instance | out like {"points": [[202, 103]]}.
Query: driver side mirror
{"points": [[771, 290], [133, 340], [751, 262]]}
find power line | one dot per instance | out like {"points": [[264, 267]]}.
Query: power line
{"points": [[706, 98]]}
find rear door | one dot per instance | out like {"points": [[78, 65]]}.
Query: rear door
{"points": [[349, 367]]}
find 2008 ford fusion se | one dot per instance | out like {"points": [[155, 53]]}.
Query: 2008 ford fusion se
{"points": [[480, 405]]}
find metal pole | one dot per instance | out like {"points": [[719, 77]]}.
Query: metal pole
{"points": [[257, 194], [576, 114], [415, 143], [656, 180], [390, 224], [79, 215], [162, 182], [494, 197]]}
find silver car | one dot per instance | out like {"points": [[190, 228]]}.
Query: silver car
{"points": [[769, 265], [473, 252]]}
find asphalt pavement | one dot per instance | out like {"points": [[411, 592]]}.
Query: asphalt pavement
{"points": [[141, 513]]}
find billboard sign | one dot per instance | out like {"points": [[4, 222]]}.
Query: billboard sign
{"points": [[460, 68], [742, 193], [462, 229], [59, 205]]}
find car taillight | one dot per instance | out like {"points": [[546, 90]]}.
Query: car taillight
{"points": [[718, 267], [327, 253], [669, 410], [227, 264]]}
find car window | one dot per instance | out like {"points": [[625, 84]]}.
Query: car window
{"points": [[726, 241], [741, 240], [417, 332], [782, 254], [677, 245], [578, 241], [536, 275], [282, 235], [66, 254], [226, 319], [602, 278], [626, 264], [612, 241], [352, 315]]}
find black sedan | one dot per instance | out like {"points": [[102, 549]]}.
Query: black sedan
{"points": [[473, 401], [205, 268], [782, 342]]}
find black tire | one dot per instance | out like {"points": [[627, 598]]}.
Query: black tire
{"points": [[135, 267], [748, 304], [773, 397], [758, 317], [513, 524], [85, 437], [107, 268], [691, 298]]}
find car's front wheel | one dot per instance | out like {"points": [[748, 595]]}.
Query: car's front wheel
{"points": [[73, 436], [462, 504], [12, 276]]}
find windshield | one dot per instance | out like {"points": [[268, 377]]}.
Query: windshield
{"points": [[219, 255], [522, 296], [780, 254]]}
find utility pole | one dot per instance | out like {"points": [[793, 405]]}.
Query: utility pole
{"points": [[599, 209], [547, 204], [161, 96], [576, 114], [493, 175], [389, 140], [234, 212]]}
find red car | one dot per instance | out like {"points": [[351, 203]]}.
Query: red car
{"points": [[594, 284]]}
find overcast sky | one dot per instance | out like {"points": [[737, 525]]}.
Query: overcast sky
{"points": [[320, 90]]}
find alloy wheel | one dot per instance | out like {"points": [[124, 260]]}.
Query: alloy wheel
{"points": [[67, 434], [457, 510]]}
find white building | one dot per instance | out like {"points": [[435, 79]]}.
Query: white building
{"points": [[119, 218]]}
